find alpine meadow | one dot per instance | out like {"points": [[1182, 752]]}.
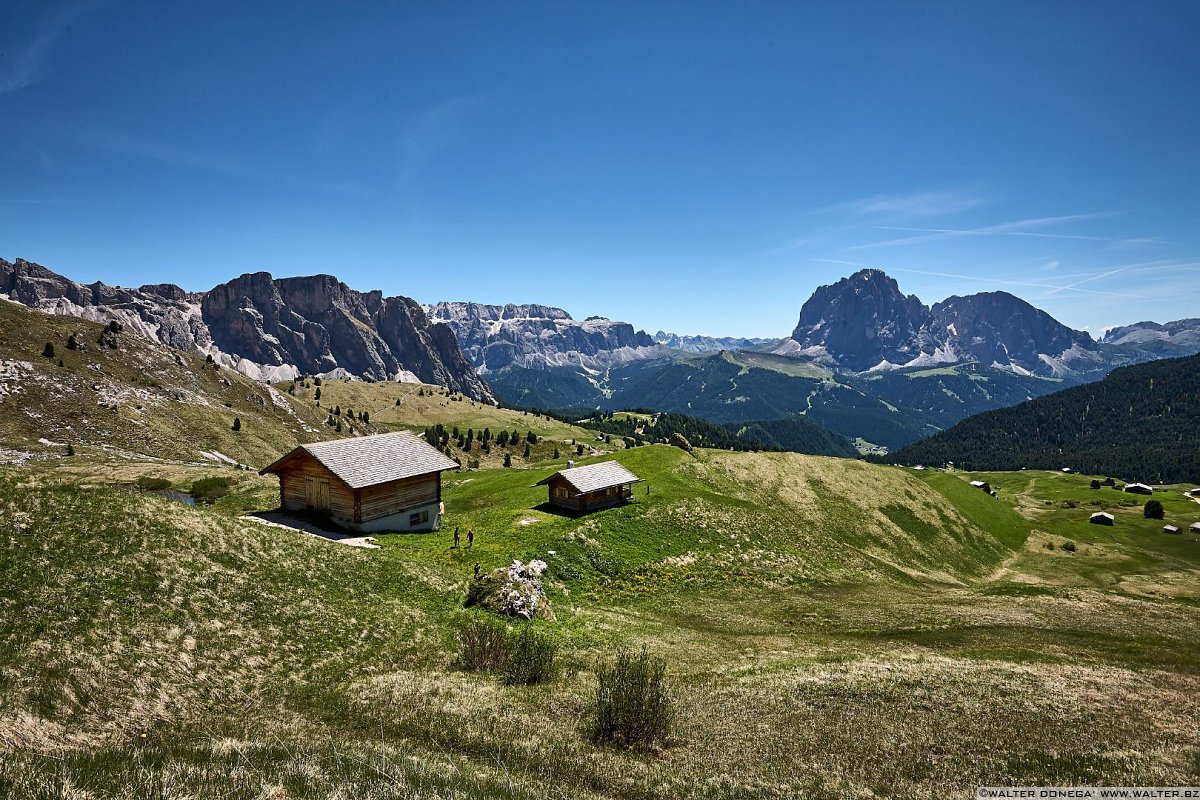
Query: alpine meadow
{"points": [[337, 460]]}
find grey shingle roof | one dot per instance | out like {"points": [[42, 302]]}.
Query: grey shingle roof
{"points": [[595, 476], [367, 460]]}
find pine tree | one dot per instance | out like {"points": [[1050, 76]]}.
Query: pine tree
{"points": [[526, 451], [72, 342], [531, 437], [237, 423], [508, 459], [70, 449], [48, 350], [556, 453], [317, 393], [338, 425]]}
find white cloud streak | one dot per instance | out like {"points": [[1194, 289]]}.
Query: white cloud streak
{"points": [[1015, 228]]}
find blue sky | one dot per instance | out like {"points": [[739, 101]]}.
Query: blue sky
{"points": [[698, 167]]}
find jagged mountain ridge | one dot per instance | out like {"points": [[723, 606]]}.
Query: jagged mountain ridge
{"points": [[267, 328], [534, 336], [707, 344], [865, 323]]}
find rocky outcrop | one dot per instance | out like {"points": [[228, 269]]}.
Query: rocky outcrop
{"points": [[535, 336], [266, 328]]}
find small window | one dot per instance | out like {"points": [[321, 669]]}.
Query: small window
{"points": [[561, 492], [419, 518]]}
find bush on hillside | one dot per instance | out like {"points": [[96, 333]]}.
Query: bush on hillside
{"points": [[210, 489], [633, 707], [1153, 510], [531, 657], [152, 484], [484, 644], [48, 350]]}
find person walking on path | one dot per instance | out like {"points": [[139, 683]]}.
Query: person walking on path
{"points": [[476, 569], [470, 538], [456, 536]]}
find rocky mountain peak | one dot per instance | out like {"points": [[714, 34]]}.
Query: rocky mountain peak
{"points": [[861, 321]]}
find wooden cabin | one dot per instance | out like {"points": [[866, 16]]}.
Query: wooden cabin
{"points": [[1138, 488], [388, 482], [1194, 527], [1102, 518], [982, 485], [596, 486]]}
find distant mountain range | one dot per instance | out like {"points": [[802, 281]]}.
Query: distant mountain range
{"points": [[534, 336], [864, 360], [1140, 423]]}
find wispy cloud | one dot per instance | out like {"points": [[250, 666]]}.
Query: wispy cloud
{"points": [[916, 204], [26, 63], [173, 155], [1021, 227], [431, 131]]}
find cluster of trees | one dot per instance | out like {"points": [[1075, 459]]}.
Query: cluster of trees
{"points": [[440, 436], [1141, 422]]}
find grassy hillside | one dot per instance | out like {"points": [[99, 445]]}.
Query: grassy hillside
{"points": [[828, 624], [138, 397], [1140, 423], [394, 406]]}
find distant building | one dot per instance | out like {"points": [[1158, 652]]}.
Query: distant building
{"points": [[1102, 518], [590, 488], [1138, 488], [1195, 527], [388, 482], [1170, 529], [1193, 492], [982, 485], [1067, 470]]}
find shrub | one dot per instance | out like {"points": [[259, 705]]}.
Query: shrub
{"points": [[48, 350], [1095, 484], [531, 655], [70, 449], [72, 342], [1069, 546], [210, 489], [484, 644], [633, 705], [152, 484], [1152, 510]]}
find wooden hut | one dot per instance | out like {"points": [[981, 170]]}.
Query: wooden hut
{"points": [[1195, 527], [388, 482], [589, 488], [1170, 529], [983, 485], [1102, 518], [1138, 488]]}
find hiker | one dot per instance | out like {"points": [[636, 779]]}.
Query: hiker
{"points": [[476, 569], [470, 538], [456, 536]]}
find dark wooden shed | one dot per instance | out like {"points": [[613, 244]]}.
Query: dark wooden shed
{"points": [[589, 488], [388, 482]]}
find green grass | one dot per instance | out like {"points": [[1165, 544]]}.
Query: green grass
{"points": [[831, 629]]}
